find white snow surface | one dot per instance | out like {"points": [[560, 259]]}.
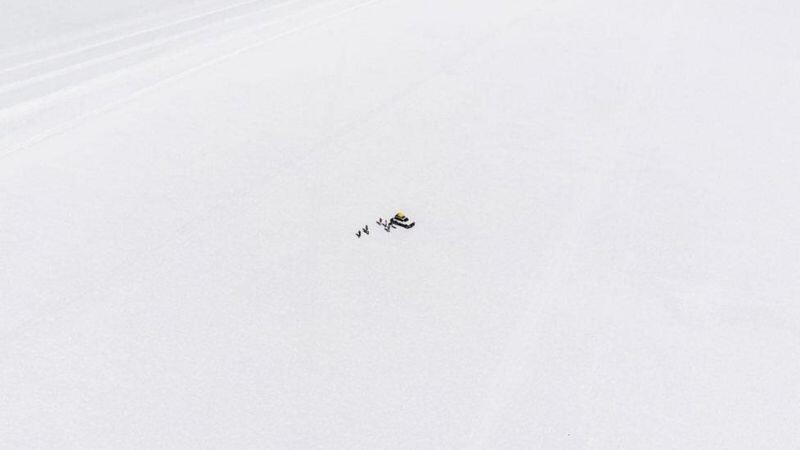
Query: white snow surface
{"points": [[606, 255]]}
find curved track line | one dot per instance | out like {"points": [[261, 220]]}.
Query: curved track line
{"points": [[140, 32], [64, 126], [12, 86], [118, 72], [50, 45]]}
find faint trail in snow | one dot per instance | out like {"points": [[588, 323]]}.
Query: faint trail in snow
{"points": [[48, 82], [102, 32], [26, 79], [137, 33], [81, 82], [60, 127]]}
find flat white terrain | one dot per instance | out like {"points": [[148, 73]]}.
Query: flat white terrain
{"points": [[607, 243]]}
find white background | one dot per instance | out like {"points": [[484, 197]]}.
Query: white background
{"points": [[606, 253]]}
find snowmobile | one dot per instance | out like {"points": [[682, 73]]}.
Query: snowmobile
{"points": [[401, 220]]}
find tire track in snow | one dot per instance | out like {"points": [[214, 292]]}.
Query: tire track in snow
{"points": [[103, 31], [34, 79], [29, 108], [140, 32]]}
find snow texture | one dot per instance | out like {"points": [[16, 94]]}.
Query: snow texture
{"points": [[607, 243]]}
